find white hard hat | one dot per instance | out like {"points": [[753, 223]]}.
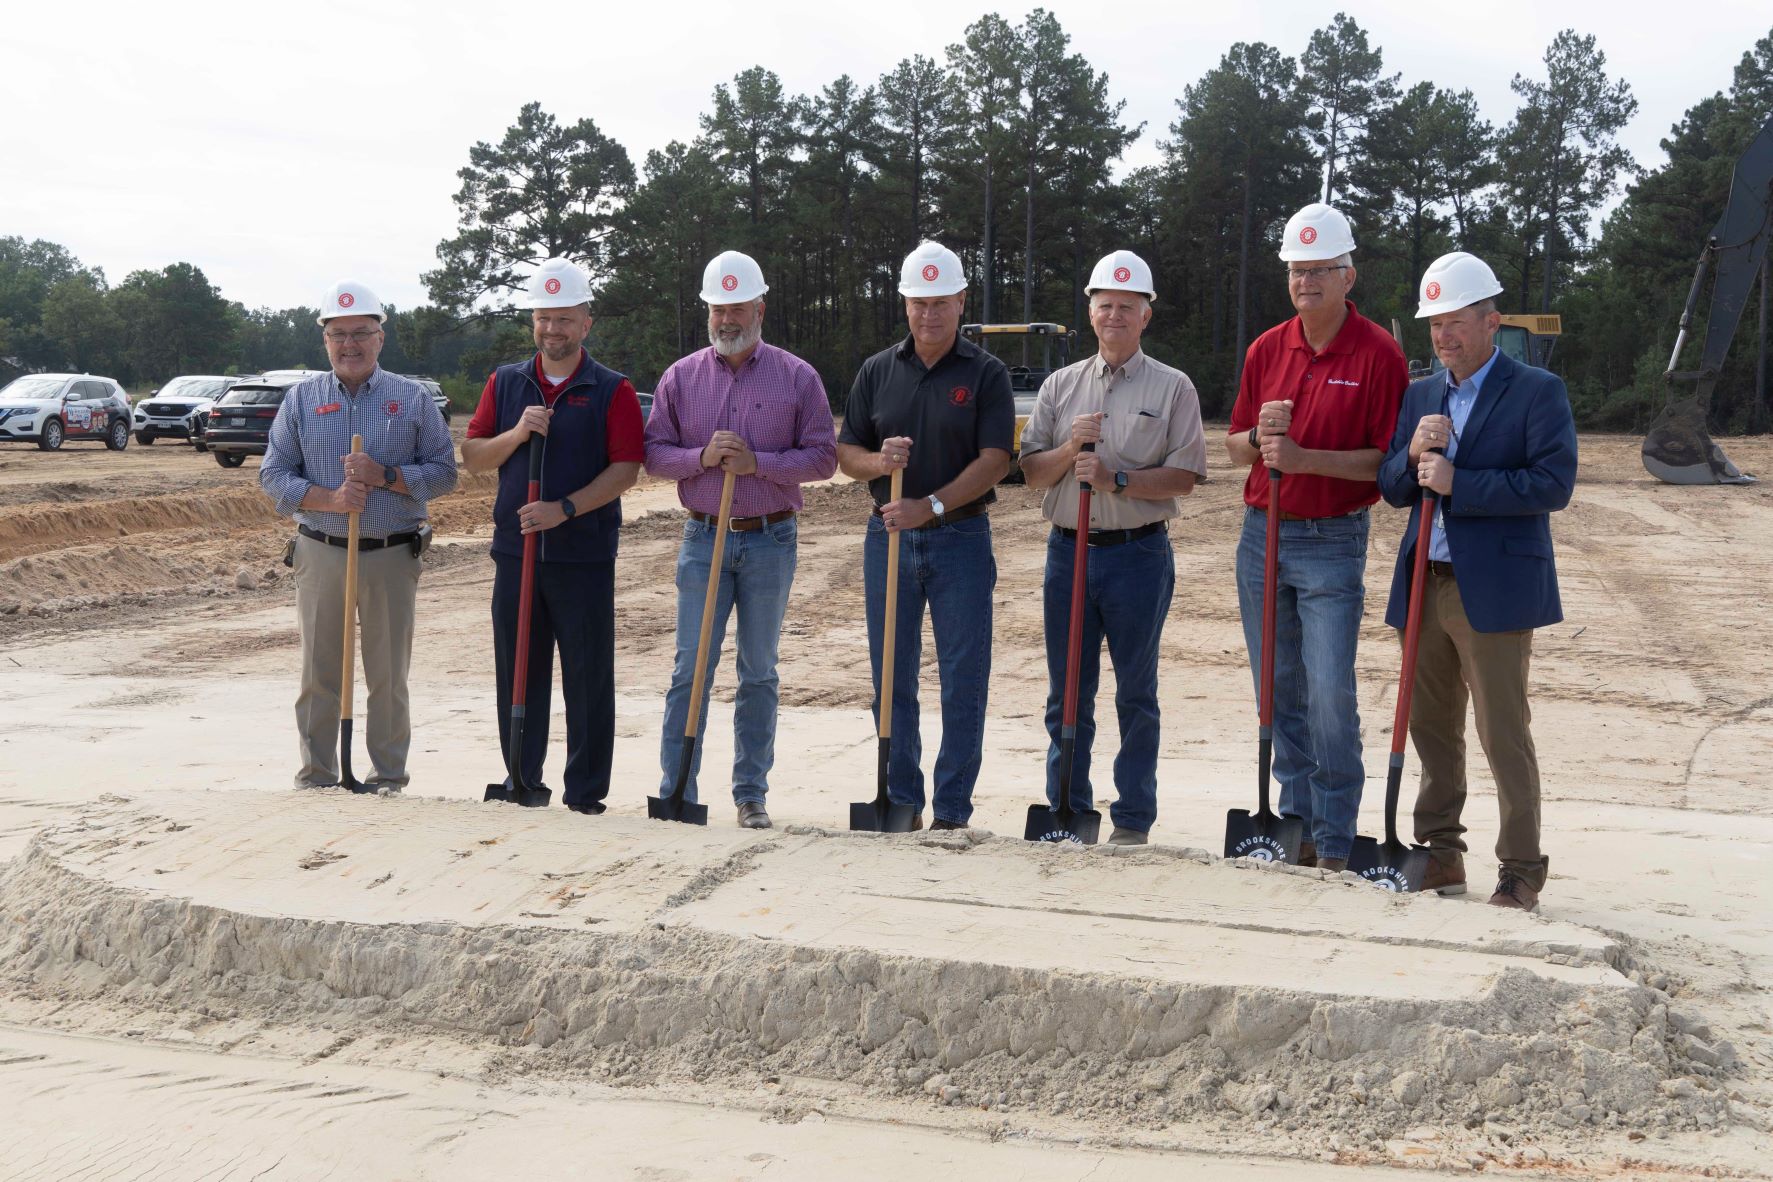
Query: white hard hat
{"points": [[1316, 232], [557, 283], [732, 278], [348, 297], [931, 270], [1456, 281], [1122, 271]]}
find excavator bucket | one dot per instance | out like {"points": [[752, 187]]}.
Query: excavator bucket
{"points": [[1679, 450]]}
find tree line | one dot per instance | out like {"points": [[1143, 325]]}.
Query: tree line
{"points": [[1006, 150]]}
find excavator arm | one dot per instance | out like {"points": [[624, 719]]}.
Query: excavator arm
{"points": [[1678, 449]]}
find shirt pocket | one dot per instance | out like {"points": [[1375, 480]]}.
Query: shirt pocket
{"points": [[1144, 440]]}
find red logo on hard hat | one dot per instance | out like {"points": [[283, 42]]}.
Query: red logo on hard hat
{"points": [[729, 283], [929, 276], [552, 287], [1434, 291], [1121, 274], [346, 299], [959, 395], [392, 408], [1308, 234]]}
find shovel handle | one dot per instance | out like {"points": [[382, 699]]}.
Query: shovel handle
{"points": [[693, 723], [349, 674], [526, 584], [889, 623], [1406, 681], [1270, 582]]}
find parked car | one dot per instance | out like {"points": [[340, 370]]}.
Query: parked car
{"points": [[178, 408], [438, 397], [49, 409], [646, 407], [239, 424]]}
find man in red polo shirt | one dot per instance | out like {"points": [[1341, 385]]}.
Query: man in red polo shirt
{"points": [[1317, 402], [592, 448]]}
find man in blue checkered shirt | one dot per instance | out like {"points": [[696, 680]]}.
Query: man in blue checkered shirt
{"points": [[311, 473]]}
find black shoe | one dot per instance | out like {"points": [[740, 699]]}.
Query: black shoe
{"points": [[753, 816], [590, 808], [942, 823]]}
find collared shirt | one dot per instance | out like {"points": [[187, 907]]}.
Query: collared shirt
{"points": [[621, 423], [1345, 398], [401, 428], [775, 402], [951, 411], [1153, 422], [1461, 398]]}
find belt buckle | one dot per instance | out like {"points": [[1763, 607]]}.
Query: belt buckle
{"points": [[732, 525]]}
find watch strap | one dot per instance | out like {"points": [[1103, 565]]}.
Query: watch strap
{"points": [[567, 507]]}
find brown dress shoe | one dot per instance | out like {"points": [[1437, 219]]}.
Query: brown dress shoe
{"points": [[753, 816], [1307, 854], [1445, 878], [1512, 892], [1333, 865]]}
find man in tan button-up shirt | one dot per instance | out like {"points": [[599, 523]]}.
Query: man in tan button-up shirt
{"points": [[1144, 418]]}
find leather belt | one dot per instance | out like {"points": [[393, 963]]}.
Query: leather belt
{"points": [[1285, 516], [1115, 537], [405, 539], [970, 509], [743, 525], [1443, 569]]}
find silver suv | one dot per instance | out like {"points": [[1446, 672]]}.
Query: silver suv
{"points": [[178, 408], [49, 409]]}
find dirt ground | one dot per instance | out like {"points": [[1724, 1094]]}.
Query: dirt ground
{"points": [[148, 643]]}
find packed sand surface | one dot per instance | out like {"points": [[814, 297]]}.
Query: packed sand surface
{"points": [[205, 973]]}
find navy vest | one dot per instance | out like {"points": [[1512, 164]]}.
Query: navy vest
{"points": [[574, 452]]}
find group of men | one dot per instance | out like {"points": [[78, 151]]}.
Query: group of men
{"points": [[1322, 416]]}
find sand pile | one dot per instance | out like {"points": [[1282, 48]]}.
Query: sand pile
{"points": [[646, 955]]}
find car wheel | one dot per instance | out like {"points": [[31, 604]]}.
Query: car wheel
{"points": [[229, 459], [51, 437], [145, 438], [118, 437]]}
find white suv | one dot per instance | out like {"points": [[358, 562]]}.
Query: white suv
{"points": [[178, 408], [50, 408]]}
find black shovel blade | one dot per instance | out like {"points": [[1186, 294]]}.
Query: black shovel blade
{"points": [[1390, 865], [876, 816], [676, 808], [529, 798], [346, 779], [1263, 837], [1045, 823]]}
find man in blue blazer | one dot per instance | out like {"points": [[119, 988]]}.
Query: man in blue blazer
{"points": [[1509, 462]]}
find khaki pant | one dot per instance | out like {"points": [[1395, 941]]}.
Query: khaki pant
{"points": [[387, 590], [1452, 663]]}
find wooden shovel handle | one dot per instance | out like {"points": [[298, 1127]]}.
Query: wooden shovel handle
{"points": [[350, 673], [693, 723]]}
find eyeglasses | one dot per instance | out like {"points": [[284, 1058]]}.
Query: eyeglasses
{"points": [[1295, 273], [359, 337]]}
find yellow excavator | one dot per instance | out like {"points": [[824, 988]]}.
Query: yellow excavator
{"points": [[1016, 345], [1678, 448]]}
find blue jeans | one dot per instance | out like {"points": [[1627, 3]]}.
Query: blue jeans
{"points": [[1317, 724], [1127, 593], [951, 568], [756, 572]]}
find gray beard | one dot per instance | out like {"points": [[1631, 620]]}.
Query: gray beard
{"points": [[733, 346]]}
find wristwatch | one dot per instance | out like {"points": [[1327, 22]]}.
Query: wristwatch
{"points": [[1120, 482], [1255, 441], [936, 506], [567, 507], [389, 475]]}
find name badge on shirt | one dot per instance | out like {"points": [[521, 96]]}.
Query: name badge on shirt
{"points": [[392, 408], [329, 408]]}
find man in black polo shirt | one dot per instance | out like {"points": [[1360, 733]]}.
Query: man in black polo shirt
{"points": [[940, 408]]}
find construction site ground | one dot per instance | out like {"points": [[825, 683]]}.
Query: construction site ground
{"points": [[206, 973]]}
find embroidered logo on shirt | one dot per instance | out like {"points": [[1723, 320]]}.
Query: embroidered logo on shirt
{"points": [[1339, 382], [959, 395], [329, 408], [578, 400], [392, 408]]}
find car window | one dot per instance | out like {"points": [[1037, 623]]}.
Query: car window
{"points": [[91, 390], [253, 396], [193, 388], [32, 387]]}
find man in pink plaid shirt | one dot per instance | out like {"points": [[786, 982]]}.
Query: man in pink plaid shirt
{"points": [[745, 407]]}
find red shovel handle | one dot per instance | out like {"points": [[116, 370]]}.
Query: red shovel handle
{"points": [[1080, 561], [520, 670], [1270, 582], [1406, 681]]}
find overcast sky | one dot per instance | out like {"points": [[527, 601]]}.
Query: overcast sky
{"points": [[280, 147]]}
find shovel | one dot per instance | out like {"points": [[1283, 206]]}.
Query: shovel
{"points": [[675, 807], [881, 815], [346, 779], [1393, 865], [532, 796], [1262, 835], [1065, 823]]}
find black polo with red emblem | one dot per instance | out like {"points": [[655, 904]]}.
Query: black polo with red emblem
{"points": [[951, 411]]}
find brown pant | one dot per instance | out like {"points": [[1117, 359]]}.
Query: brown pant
{"points": [[1452, 659], [387, 592]]}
